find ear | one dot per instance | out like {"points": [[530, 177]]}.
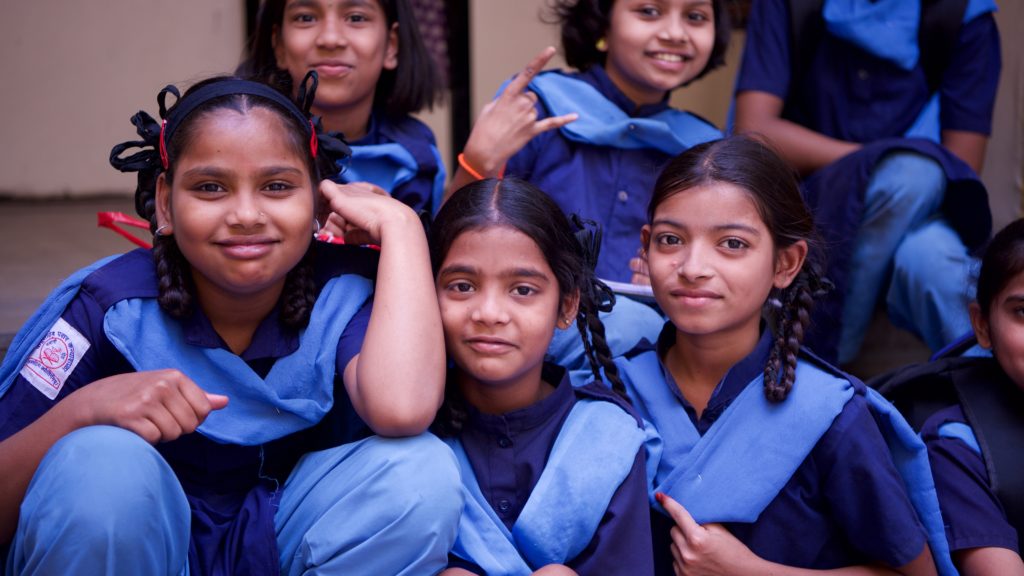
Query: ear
{"points": [[645, 237], [163, 204], [980, 325], [788, 262], [568, 310], [391, 50]]}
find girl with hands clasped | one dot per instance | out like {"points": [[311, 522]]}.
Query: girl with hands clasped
{"points": [[554, 475], [207, 407], [375, 71], [595, 139], [770, 459]]}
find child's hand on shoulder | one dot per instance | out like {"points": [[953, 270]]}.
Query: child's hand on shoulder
{"points": [[509, 122], [361, 212], [158, 405]]}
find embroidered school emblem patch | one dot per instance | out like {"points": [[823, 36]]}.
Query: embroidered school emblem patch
{"points": [[50, 364]]}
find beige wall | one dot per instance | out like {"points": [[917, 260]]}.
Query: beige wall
{"points": [[73, 72]]}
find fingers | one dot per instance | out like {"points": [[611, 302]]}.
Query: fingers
{"points": [[217, 401], [554, 122], [687, 525], [518, 84]]}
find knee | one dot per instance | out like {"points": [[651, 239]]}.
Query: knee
{"points": [[932, 255], [103, 481], [426, 468], [908, 179]]}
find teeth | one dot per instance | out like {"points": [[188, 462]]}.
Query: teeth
{"points": [[668, 57]]}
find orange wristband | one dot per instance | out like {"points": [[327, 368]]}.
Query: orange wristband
{"points": [[472, 171]]}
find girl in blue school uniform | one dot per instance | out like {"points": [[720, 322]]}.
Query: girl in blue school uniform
{"points": [[974, 444], [771, 459], [229, 401], [554, 475], [595, 139], [374, 72]]}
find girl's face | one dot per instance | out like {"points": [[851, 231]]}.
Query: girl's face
{"points": [[348, 42], [1003, 330], [241, 204], [713, 262], [657, 45], [500, 305]]}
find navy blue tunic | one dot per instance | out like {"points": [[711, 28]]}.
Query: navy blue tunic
{"points": [[230, 488], [845, 505], [509, 451], [610, 186]]}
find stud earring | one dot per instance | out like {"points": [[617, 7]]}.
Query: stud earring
{"points": [[602, 45]]}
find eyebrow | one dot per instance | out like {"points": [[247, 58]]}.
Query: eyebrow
{"points": [[513, 273], [215, 172], [719, 228]]}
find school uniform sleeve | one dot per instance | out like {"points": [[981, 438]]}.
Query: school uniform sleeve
{"points": [[969, 84], [82, 325], [865, 493], [622, 544], [765, 65], [971, 512], [351, 341]]}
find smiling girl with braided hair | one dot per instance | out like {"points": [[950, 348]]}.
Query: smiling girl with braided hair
{"points": [[771, 460]]}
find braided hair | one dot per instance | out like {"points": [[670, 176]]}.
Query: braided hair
{"points": [[772, 185], [162, 143], [570, 249]]}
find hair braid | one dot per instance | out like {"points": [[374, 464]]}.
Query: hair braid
{"points": [[299, 294], [601, 354], [792, 322]]}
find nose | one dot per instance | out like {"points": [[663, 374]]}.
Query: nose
{"points": [[490, 308], [331, 33], [693, 264], [674, 29], [246, 212]]}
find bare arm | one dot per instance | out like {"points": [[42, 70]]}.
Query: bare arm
{"points": [[988, 562], [159, 406], [803, 148], [505, 125], [968, 146], [396, 382]]}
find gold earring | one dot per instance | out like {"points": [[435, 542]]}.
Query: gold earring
{"points": [[602, 45]]}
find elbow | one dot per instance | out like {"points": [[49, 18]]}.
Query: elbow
{"points": [[398, 422]]}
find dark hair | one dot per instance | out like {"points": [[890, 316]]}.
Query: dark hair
{"points": [[1003, 260], [772, 185], [584, 22], [413, 85], [571, 252], [176, 290]]}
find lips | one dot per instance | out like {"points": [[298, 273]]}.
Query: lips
{"points": [[332, 68], [246, 247], [489, 344], [694, 297]]}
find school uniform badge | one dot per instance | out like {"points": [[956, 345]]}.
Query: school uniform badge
{"points": [[55, 358]]}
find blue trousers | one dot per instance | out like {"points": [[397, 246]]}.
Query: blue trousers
{"points": [[103, 501], [906, 250]]}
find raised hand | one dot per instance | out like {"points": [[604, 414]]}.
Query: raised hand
{"points": [[509, 121], [158, 405], [360, 211]]}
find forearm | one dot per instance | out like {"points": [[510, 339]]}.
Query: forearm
{"points": [[804, 149], [20, 456], [968, 146], [400, 369], [989, 561]]}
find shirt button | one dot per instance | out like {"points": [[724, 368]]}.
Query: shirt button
{"points": [[863, 74], [632, 127], [504, 442], [504, 505], [623, 195]]}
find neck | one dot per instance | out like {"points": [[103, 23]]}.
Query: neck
{"points": [[503, 397], [699, 362], [352, 121], [235, 318]]}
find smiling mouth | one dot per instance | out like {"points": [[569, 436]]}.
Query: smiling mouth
{"points": [[489, 345]]}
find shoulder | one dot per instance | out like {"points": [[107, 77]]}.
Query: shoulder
{"points": [[601, 393], [132, 275]]}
